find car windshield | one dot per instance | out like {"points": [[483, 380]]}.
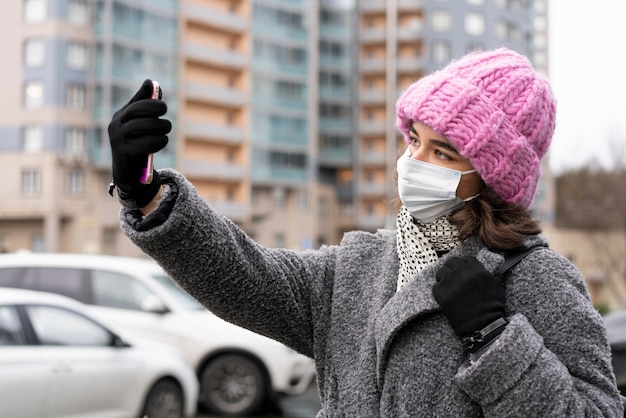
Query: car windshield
{"points": [[176, 291]]}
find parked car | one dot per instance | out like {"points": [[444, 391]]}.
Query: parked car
{"points": [[615, 323], [239, 371], [58, 361]]}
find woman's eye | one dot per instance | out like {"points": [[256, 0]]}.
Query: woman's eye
{"points": [[442, 155]]}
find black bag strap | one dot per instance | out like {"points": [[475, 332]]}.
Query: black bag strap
{"points": [[513, 257]]}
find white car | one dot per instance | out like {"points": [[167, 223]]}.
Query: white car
{"points": [[239, 371], [58, 361]]}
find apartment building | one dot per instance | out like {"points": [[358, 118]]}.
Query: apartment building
{"points": [[283, 110], [69, 65], [48, 187]]}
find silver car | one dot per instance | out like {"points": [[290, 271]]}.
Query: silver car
{"points": [[58, 361]]}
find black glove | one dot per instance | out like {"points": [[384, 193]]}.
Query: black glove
{"points": [[471, 298], [134, 132]]}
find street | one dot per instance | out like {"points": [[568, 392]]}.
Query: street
{"points": [[300, 406]]}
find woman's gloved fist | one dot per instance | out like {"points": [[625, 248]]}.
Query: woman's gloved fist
{"points": [[470, 297], [135, 131]]}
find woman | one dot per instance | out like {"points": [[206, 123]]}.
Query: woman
{"points": [[411, 321]]}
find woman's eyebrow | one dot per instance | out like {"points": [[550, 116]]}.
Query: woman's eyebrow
{"points": [[438, 142], [445, 145]]}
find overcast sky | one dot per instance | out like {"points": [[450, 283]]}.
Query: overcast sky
{"points": [[588, 75]]}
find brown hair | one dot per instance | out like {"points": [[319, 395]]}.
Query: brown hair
{"points": [[499, 224]]}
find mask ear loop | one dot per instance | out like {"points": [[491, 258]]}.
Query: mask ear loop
{"points": [[477, 194], [471, 198]]}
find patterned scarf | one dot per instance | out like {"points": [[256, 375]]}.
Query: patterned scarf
{"points": [[418, 243]]}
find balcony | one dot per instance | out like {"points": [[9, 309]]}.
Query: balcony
{"points": [[212, 170], [211, 132], [228, 22], [335, 125], [372, 189], [372, 65], [372, 96], [410, 34], [372, 158], [372, 35], [335, 156], [372, 6], [336, 94], [214, 56], [410, 64], [410, 5], [371, 222], [233, 210], [372, 127], [221, 95], [278, 175]]}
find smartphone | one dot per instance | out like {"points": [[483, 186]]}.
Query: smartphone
{"points": [[146, 175]]}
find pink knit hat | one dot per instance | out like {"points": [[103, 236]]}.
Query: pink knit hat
{"points": [[495, 110]]}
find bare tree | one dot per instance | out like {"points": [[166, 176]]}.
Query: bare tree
{"points": [[593, 199]]}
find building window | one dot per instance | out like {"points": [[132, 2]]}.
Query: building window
{"points": [[279, 196], [109, 240], [33, 94], [302, 200], [540, 6], [441, 21], [32, 139], [37, 244], [441, 52], [515, 34], [30, 182], [323, 207], [76, 97], [75, 182], [34, 11], [540, 59], [474, 24], [77, 55], [540, 23], [77, 13], [34, 53], [501, 29], [540, 41], [475, 46], [75, 141], [279, 240]]}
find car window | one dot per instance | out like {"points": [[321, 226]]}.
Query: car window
{"points": [[118, 290], [57, 326], [70, 282], [11, 331], [10, 276], [177, 292]]}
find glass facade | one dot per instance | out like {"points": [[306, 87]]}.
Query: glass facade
{"points": [[133, 42], [280, 96]]}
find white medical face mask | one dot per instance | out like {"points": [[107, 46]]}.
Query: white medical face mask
{"points": [[427, 190]]}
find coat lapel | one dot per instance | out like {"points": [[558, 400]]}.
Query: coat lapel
{"points": [[413, 300]]}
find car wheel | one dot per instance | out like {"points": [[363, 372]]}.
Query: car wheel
{"points": [[232, 385], [165, 400]]}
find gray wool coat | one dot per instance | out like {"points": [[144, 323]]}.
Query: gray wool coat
{"points": [[382, 353]]}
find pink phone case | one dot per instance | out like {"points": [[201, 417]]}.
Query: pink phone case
{"points": [[146, 175]]}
